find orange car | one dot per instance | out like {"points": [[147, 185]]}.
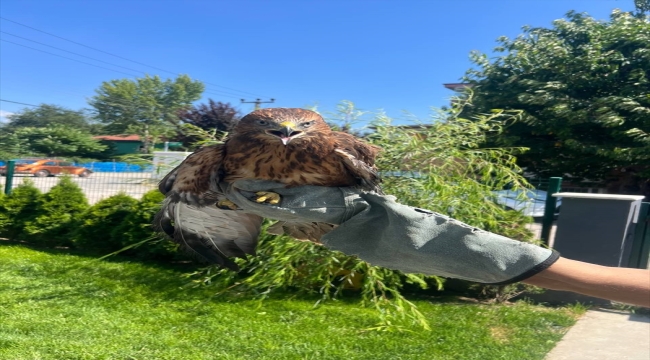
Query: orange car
{"points": [[46, 167]]}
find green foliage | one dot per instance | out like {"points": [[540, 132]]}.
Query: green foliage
{"points": [[18, 208], [57, 214], [136, 232], [56, 140], [211, 119], [196, 137], [345, 118], [146, 106], [443, 166], [583, 86], [642, 8], [47, 115], [98, 223], [49, 130]]}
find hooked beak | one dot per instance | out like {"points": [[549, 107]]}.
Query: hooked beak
{"points": [[285, 133]]}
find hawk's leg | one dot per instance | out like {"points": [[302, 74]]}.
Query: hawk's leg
{"points": [[267, 197], [227, 205]]}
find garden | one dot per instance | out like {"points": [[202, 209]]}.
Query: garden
{"points": [[84, 281], [93, 280]]}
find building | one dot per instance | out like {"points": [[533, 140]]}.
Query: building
{"points": [[122, 144]]}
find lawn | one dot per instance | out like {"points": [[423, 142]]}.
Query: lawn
{"points": [[61, 306]]}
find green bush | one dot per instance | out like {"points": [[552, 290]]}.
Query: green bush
{"points": [[57, 215], [137, 229], [99, 221], [19, 208]]}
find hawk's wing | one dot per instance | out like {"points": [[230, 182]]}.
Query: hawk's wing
{"points": [[189, 214], [359, 159]]}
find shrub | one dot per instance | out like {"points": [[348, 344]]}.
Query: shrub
{"points": [[19, 208], [98, 222], [57, 215], [137, 229]]}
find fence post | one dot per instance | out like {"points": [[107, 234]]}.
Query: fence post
{"points": [[554, 185], [11, 164], [641, 245]]}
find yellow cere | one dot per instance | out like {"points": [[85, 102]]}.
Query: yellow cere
{"points": [[288, 124]]}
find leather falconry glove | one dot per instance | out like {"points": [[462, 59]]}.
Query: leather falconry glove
{"points": [[383, 232]]}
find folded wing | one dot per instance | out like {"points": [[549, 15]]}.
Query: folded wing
{"points": [[189, 214], [359, 159]]}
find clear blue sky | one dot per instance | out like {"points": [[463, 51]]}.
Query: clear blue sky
{"points": [[392, 55]]}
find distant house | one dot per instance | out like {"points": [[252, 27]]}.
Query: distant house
{"points": [[122, 144], [458, 87]]}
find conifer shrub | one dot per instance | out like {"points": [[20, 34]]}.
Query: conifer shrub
{"points": [[136, 232], [57, 215], [98, 222], [17, 209]]}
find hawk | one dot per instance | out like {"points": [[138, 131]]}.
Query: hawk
{"points": [[291, 146]]}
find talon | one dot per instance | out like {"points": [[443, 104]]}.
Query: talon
{"points": [[227, 205], [267, 197]]}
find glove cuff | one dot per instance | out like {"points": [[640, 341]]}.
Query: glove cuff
{"points": [[533, 271]]}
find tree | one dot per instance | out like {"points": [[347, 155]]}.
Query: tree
{"points": [[213, 116], [48, 115], [56, 215], [583, 88], [642, 7], [144, 105], [51, 141]]}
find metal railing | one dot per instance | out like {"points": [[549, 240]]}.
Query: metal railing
{"points": [[102, 183]]}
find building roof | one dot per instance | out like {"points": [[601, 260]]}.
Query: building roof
{"points": [[457, 86], [118, 137]]}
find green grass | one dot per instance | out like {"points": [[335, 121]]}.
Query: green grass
{"points": [[60, 306]]}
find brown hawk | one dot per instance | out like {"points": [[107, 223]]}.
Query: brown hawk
{"points": [[291, 146]]}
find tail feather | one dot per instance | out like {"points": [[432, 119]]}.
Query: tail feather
{"points": [[210, 233]]}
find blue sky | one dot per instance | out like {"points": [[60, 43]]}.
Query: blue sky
{"points": [[392, 55]]}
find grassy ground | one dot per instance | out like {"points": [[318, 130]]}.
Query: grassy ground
{"points": [[60, 306]]}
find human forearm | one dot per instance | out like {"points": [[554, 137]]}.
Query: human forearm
{"points": [[383, 232], [630, 286]]}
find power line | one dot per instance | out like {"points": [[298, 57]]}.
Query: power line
{"points": [[74, 53], [16, 102], [120, 57], [234, 96], [220, 93], [65, 57]]}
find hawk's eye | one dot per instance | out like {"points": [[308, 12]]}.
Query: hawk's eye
{"points": [[307, 124], [262, 122]]}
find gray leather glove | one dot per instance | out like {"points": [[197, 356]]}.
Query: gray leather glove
{"points": [[385, 233]]}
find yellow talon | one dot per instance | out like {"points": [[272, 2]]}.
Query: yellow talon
{"points": [[267, 197], [227, 205]]}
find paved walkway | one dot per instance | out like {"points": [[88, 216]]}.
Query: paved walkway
{"points": [[605, 335]]}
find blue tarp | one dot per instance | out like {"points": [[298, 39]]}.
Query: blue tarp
{"points": [[111, 167], [115, 167]]}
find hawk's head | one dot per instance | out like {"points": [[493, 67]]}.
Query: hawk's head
{"points": [[282, 124]]}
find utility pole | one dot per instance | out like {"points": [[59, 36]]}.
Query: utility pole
{"points": [[257, 102]]}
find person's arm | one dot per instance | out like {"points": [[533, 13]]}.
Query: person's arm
{"points": [[630, 286], [383, 232]]}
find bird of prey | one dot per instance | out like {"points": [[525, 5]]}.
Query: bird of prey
{"points": [[291, 146]]}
